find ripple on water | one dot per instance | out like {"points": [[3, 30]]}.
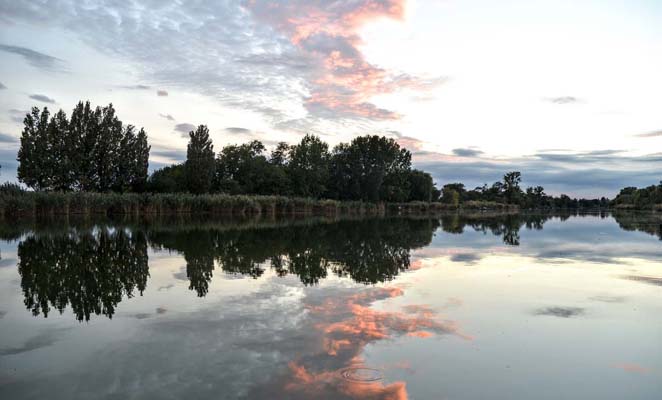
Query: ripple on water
{"points": [[361, 374]]}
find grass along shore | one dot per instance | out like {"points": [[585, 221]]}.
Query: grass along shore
{"points": [[37, 204]]}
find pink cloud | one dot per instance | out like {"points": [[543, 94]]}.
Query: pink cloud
{"points": [[348, 323], [630, 367], [343, 82], [317, 384]]}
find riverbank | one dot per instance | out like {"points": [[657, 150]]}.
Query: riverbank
{"points": [[40, 204]]}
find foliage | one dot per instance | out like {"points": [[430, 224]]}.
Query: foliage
{"points": [[91, 152], [90, 270], [421, 186], [170, 179], [509, 192], [199, 161], [308, 167], [370, 168], [243, 169], [645, 198]]}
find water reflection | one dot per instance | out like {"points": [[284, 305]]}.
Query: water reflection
{"points": [[368, 251], [93, 267], [640, 222], [90, 270], [332, 309], [345, 322]]}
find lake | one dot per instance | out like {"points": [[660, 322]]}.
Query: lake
{"points": [[464, 306]]}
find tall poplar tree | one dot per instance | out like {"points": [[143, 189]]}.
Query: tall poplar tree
{"points": [[33, 152], [106, 152], [140, 162], [199, 161], [61, 153], [84, 129]]}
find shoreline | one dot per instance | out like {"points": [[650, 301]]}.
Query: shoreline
{"points": [[82, 204]]}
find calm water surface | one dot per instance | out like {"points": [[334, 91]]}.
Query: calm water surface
{"points": [[459, 307]]}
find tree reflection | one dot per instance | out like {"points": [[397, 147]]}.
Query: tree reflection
{"points": [[89, 270], [507, 226], [650, 223], [368, 251], [92, 268]]}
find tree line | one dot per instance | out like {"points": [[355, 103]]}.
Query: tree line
{"points": [[632, 197], [509, 191], [94, 151], [369, 168], [91, 151]]}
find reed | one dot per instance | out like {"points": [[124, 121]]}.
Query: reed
{"points": [[15, 202]]}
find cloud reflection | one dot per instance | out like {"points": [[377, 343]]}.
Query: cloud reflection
{"points": [[348, 323]]}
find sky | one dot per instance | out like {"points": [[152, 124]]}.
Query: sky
{"points": [[567, 92]]}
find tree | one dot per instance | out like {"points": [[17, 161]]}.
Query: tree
{"points": [[140, 162], [61, 153], [106, 152], [281, 154], [243, 169], [33, 151], [199, 161], [309, 167], [453, 193], [90, 152], [511, 188], [125, 165], [84, 130], [421, 186], [170, 179], [535, 197], [371, 168]]}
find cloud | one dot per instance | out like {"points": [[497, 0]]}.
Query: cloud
{"points": [[563, 100], [161, 93], [645, 279], [39, 341], [35, 58], [184, 128], [467, 258], [8, 262], [343, 82], [561, 312], [7, 138], [650, 134], [237, 130], [167, 116], [410, 143], [588, 174], [42, 98], [17, 115], [631, 367], [158, 311], [169, 153], [136, 87], [297, 62], [348, 324], [467, 152], [2, 86], [608, 299], [181, 275], [286, 356]]}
